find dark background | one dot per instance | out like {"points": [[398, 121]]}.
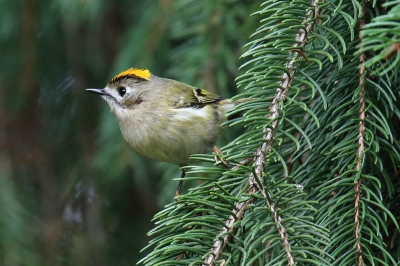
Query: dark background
{"points": [[71, 191]]}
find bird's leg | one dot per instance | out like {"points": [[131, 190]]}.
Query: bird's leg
{"points": [[216, 158], [178, 190]]}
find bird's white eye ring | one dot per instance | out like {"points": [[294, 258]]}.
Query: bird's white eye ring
{"points": [[121, 91]]}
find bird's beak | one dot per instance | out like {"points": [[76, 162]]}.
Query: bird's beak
{"points": [[97, 91]]}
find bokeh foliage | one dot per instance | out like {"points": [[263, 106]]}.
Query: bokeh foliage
{"points": [[72, 192]]}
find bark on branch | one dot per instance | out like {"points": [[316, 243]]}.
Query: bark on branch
{"points": [[262, 152]]}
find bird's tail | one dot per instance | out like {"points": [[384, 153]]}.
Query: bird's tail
{"points": [[227, 105]]}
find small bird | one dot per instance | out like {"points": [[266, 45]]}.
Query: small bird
{"points": [[163, 119]]}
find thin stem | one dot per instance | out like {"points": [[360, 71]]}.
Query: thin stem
{"points": [[263, 151], [360, 151], [227, 230]]}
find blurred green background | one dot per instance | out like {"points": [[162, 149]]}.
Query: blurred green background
{"points": [[71, 191]]}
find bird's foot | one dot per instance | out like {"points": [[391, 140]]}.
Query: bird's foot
{"points": [[219, 158]]}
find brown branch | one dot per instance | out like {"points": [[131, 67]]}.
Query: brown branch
{"points": [[266, 148], [360, 151], [275, 108], [227, 230]]}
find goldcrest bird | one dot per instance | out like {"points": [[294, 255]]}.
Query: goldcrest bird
{"points": [[163, 119]]}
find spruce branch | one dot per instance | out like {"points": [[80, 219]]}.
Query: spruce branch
{"points": [[361, 149], [262, 151], [227, 230], [275, 109], [311, 179]]}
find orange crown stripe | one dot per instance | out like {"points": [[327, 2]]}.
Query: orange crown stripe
{"points": [[132, 72]]}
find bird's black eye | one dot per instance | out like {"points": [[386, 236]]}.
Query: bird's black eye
{"points": [[121, 91]]}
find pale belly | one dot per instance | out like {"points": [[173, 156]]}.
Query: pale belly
{"points": [[172, 138]]}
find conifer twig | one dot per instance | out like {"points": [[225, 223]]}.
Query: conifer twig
{"points": [[227, 230], [275, 110], [360, 150], [263, 151]]}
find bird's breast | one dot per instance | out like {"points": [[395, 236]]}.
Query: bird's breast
{"points": [[171, 136]]}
